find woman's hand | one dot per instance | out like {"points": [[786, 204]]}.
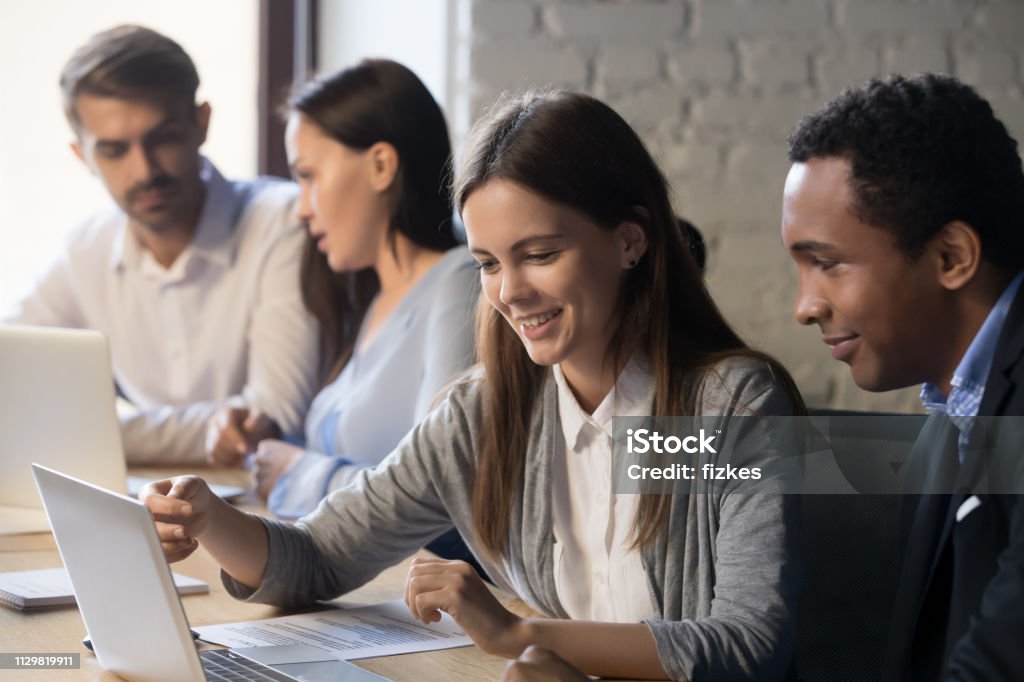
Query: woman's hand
{"points": [[234, 432], [179, 507], [540, 665], [436, 585], [273, 458]]}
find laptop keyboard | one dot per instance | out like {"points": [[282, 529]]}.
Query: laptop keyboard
{"points": [[223, 665]]}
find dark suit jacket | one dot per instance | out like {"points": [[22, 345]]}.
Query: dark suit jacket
{"points": [[959, 612]]}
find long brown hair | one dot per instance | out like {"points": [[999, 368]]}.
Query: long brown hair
{"points": [[377, 100], [575, 150]]}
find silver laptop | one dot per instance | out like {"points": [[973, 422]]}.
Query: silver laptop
{"points": [[127, 598], [57, 407]]}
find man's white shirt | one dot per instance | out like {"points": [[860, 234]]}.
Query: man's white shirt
{"points": [[224, 323]]}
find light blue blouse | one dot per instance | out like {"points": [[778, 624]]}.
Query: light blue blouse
{"points": [[388, 387]]}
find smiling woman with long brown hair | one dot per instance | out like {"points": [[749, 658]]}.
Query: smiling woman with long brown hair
{"points": [[592, 308]]}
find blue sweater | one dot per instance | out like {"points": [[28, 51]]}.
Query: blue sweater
{"points": [[387, 387]]}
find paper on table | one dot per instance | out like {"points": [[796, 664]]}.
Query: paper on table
{"points": [[381, 630]]}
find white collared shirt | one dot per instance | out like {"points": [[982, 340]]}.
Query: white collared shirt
{"points": [[225, 322], [597, 576]]}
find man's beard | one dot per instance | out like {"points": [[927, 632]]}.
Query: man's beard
{"points": [[168, 215]]}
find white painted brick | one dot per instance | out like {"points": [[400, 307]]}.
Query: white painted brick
{"points": [[816, 387], [760, 17], [715, 86], [618, 21], [755, 252], [986, 67], [751, 278], [841, 66], [724, 111], [650, 110], [502, 18], [629, 63], [481, 100], [713, 64], [917, 57], [697, 197], [1003, 20], [692, 159], [663, 139], [752, 307], [758, 162], [774, 116], [861, 16], [776, 66], [801, 351], [530, 62], [712, 199]]}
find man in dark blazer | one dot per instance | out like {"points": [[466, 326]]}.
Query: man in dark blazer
{"points": [[904, 212]]}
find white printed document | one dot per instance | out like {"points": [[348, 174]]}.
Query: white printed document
{"points": [[382, 630]]}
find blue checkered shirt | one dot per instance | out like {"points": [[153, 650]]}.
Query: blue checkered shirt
{"points": [[968, 383]]}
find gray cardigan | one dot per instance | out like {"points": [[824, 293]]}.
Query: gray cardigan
{"points": [[724, 578]]}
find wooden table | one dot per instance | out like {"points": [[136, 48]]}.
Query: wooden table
{"points": [[61, 630]]}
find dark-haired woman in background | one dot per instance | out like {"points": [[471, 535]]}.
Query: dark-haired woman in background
{"points": [[382, 273], [593, 308]]}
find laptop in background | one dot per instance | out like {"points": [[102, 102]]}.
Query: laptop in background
{"points": [[57, 407], [127, 599]]}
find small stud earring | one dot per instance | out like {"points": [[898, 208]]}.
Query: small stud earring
{"points": [[632, 262]]}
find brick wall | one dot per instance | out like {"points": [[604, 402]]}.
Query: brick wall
{"points": [[714, 87]]}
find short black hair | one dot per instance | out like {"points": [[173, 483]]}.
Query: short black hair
{"points": [[923, 151], [128, 61]]}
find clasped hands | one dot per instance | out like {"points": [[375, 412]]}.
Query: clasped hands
{"points": [[235, 432]]}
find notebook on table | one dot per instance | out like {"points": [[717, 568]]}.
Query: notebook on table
{"points": [[50, 587]]}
